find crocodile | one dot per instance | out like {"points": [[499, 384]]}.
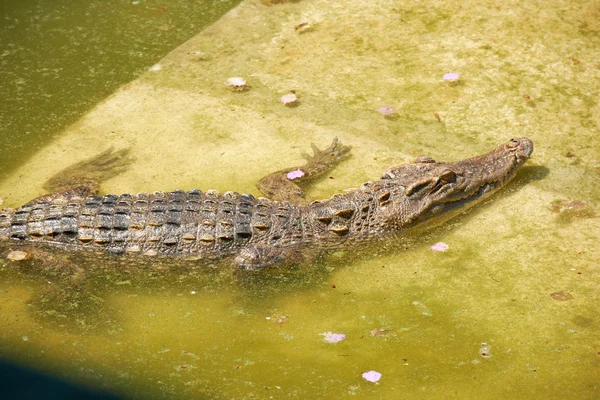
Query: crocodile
{"points": [[254, 233]]}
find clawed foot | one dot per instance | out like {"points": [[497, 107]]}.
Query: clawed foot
{"points": [[323, 160], [283, 184]]}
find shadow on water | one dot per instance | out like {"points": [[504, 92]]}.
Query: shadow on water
{"points": [[528, 174]]}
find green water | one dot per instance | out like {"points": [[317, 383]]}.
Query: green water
{"points": [[59, 58], [509, 311]]}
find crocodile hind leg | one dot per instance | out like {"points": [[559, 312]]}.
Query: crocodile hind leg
{"points": [[67, 288], [283, 185], [62, 290], [84, 178]]}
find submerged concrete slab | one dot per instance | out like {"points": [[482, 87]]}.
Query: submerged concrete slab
{"points": [[344, 60]]}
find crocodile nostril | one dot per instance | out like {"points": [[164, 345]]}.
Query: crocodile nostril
{"points": [[523, 145]]}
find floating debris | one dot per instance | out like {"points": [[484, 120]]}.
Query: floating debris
{"points": [[371, 376], [199, 55], [571, 209], [439, 246], [236, 82], [451, 77], [484, 350], [304, 27], [331, 337], [1, 201], [422, 308], [278, 318], [377, 332], [155, 67], [18, 255], [386, 110], [561, 296], [288, 99], [295, 174], [300, 25]]}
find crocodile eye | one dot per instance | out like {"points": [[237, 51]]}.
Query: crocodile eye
{"points": [[424, 160], [512, 143], [448, 176], [388, 175]]}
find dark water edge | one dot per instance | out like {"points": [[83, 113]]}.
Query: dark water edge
{"points": [[59, 58]]}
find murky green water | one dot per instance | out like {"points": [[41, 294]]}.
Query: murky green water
{"points": [[509, 311], [59, 58]]}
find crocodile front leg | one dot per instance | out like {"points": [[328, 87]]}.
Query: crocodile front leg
{"points": [[283, 185]]}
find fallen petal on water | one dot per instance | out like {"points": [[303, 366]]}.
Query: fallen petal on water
{"points": [[386, 110], [451, 76], [295, 174], [288, 98], [371, 376], [236, 82], [331, 337], [440, 246]]}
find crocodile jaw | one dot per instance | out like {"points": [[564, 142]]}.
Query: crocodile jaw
{"points": [[436, 191]]}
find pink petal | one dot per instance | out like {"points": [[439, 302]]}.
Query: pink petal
{"points": [[295, 174], [386, 110], [440, 246], [334, 337], [451, 76], [288, 98], [236, 81], [371, 376]]}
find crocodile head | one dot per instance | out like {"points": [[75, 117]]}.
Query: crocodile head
{"points": [[429, 190]]}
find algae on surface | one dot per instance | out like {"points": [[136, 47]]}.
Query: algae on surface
{"points": [[479, 320]]}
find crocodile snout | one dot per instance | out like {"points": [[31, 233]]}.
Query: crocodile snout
{"points": [[525, 147]]}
